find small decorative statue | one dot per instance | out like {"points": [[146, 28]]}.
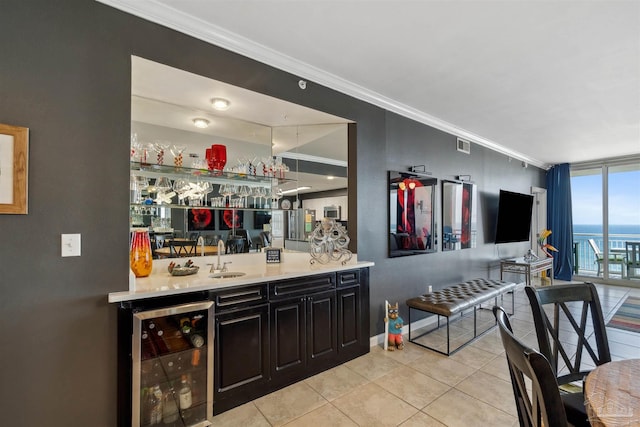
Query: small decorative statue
{"points": [[393, 328]]}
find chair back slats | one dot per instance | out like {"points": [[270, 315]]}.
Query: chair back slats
{"points": [[574, 305], [543, 405], [632, 259], [182, 248]]}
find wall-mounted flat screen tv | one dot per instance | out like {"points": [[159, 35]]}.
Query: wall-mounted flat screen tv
{"points": [[514, 217]]}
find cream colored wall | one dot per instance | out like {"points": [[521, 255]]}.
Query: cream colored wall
{"points": [[319, 204]]}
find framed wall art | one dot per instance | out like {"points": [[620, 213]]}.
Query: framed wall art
{"points": [[14, 161]]}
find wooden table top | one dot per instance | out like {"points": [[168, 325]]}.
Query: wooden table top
{"points": [[612, 394], [208, 250]]}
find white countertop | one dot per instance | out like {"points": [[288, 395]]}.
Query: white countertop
{"points": [[161, 283]]}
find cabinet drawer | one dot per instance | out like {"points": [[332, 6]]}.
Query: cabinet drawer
{"points": [[240, 297], [302, 286], [348, 278]]}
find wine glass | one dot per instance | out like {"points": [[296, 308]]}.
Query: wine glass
{"points": [[244, 192], [228, 190], [176, 151], [160, 147], [181, 186]]}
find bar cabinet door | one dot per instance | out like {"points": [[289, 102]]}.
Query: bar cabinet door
{"points": [[172, 352]]}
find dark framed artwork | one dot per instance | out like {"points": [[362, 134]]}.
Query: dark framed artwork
{"points": [[231, 219], [411, 213], [14, 161], [459, 212], [201, 219]]}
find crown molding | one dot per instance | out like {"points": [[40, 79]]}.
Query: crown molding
{"points": [[169, 17]]}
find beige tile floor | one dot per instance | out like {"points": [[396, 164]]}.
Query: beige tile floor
{"points": [[416, 386]]}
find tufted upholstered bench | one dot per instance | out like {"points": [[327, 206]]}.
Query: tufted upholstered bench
{"points": [[456, 299]]}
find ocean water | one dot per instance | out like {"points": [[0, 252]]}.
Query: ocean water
{"points": [[625, 229]]}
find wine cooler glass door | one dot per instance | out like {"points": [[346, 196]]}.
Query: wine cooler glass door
{"points": [[172, 382]]}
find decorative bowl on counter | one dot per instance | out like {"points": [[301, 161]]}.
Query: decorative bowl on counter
{"points": [[186, 270]]}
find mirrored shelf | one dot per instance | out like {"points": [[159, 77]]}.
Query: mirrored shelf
{"points": [[157, 171]]}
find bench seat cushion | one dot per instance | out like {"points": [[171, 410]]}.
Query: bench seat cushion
{"points": [[455, 298]]}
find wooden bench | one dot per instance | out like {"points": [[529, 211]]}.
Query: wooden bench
{"points": [[456, 299]]}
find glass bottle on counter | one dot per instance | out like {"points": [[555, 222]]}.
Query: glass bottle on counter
{"points": [[140, 255]]}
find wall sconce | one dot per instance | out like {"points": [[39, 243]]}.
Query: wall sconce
{"points": [[220, 104], [419, 169], [201, 123]]}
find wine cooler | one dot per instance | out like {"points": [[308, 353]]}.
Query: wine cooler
{"points": [[172, 353]]}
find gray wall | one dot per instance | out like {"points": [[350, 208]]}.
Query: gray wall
{"points": [[65, 74]]}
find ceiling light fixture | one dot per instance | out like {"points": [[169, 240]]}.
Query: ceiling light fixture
{"points": [[330, 177], [201, 123], [220, 104], [295, 190]]}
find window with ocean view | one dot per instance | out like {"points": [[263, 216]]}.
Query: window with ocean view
{"points": [[606, 215]]}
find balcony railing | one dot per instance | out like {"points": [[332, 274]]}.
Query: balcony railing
{"points": [[586, 258]]}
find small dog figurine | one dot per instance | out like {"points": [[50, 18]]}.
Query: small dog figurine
{"points": [[395, 328]]}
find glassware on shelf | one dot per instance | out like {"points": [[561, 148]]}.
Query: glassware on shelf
{"points": [[218, 157], [140, 255], [244, 192], [164, 192], [176, 151], [160, 147], [228, 190], [181, 186], [135, 147]]}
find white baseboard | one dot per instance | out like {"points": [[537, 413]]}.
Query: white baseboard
{"points": [[427, 321]]}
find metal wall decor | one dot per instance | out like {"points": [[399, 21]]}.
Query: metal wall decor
{"points": [[329, 242]]}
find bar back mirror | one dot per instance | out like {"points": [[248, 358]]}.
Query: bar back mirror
{"points": [[411, 215], [247, 171], [459, 212]]}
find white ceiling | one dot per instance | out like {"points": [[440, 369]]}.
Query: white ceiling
{"points": [[543, 81]]}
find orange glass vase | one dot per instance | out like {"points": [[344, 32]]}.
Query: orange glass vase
{"points": [[140, 256]]}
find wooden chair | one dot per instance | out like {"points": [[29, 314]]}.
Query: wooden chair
{"points": [[264, 240], [578, 329], [235, 245], [613, 259], [247, 240], [182, 248], [633, 259], [543, 405], [157, 242]]}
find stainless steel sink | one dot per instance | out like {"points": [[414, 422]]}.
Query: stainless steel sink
{"points": [[227, 275]]}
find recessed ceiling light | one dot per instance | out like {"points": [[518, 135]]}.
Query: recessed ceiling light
{"points": [[330, 177], [220, 103], [201, 123], [295, 190]]}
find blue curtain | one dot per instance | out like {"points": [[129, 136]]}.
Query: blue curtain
{"points": [[559, 220]]}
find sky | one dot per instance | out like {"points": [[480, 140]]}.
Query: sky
{"points": [[624, 198]]}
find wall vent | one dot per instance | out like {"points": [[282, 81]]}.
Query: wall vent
{"points": [[464, 146]]}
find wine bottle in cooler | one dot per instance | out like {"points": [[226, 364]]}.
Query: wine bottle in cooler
{"points": [[154, 405], [170, 407], [185, 397]]}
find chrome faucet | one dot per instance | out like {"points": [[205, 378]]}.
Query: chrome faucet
{"points": [[220, 268]]}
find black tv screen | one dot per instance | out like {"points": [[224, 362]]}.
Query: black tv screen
{"points": [[514, 217]]}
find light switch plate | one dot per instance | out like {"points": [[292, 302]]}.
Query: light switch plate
{"points": [[70, 245]]}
